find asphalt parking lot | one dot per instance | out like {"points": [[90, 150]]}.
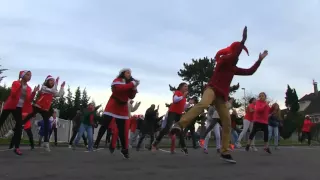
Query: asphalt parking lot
{"points": [[289, 163]]}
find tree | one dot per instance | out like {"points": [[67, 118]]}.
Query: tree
{"points": [[77, 99], [62, 107], [4, 93], [69, 106], [1, 73], [292, 100], [85, 98]]}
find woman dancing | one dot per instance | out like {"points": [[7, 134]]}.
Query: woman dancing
{"points": [[248, 123], [124, 87], [174, 114], [274, 122], [19, 100], [260, 117], [48, 91]]}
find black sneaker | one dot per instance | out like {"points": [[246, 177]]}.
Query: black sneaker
{"points": [[267, 150], [185, 151], [95, 146], [175, 129], [228, 158], [247, 147], [125, 153], [111, 150]]}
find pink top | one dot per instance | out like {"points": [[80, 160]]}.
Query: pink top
{"points": [[261, 113]]}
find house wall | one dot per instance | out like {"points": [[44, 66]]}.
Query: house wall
{"points": [[303, 105]]}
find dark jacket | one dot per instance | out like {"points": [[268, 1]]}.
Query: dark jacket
{"points": [[150, 120], [274, 121], [76, 121]]}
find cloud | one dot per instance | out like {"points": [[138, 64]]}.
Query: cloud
{"points": [[87, 43]]}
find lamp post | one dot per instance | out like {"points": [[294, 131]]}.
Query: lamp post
{"points": [[244, 97]]}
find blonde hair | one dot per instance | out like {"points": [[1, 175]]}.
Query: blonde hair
{"points": [[276, 110]]}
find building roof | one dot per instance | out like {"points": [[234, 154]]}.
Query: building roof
{"points": [[314, 106]]}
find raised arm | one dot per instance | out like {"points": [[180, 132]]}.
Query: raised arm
{"points": [[178, 96], [135, 107], [122, 86], [133, 93], [253, 69]]}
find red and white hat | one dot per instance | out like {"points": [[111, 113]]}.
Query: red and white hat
{"points": [[23, 73], [124, 70], [48, 78]]}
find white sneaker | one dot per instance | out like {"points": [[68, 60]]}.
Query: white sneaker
{"points": [[238, 145], [9, 134], [69, 146], [46, 146], [253, 148]]}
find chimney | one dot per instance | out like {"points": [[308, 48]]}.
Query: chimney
{"points": [[315, 87]]}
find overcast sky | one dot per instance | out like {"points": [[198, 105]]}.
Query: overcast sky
{"points": [[86, 42]]}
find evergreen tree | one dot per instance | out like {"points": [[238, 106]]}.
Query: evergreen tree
{"points": [[288, 101], [69, 105], [85, 98], [77, 99], [292, 100], [1, 73], [60, 104], [4, 93]]}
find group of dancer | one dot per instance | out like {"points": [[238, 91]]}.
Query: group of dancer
{"points": [[180, 114]]}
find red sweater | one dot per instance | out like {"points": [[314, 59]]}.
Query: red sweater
{"points": [[117, 105], [225, 70], [179, 101], [249, 115], [307, 125], [261, 113]]}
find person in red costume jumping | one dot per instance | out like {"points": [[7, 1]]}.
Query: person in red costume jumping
{"points": [[19, 101], [306, 129], [124, 87], [218, 88], [48, 91]]}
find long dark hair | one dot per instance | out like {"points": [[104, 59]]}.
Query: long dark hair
{"points": [[251, 100], [123, 77], [46, 83], [181, 85]]}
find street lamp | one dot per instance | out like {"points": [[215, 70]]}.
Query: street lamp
{"points": [[244, 97]]}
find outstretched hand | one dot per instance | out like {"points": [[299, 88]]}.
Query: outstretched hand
{"points": [[63, 84], [36, 88], [244, 34], [263, 55]]}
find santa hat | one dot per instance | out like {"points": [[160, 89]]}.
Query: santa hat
{"points": [[231, 49], [48, 78], [23, 73], [124, 70]]}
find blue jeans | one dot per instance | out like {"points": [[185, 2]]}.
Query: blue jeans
{"points": [[88, 129], [234, 136], [274, 131]]}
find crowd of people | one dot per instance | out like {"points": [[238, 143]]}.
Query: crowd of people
{"points": [[180, 118]]}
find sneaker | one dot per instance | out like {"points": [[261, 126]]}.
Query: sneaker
{"points": [[201, 142], [231, 147], [253, 148], [9, 134], [95, 146], [125, 153], [175, 129], [238, 145], [46, 146], [205, 151], [276, 148], [227, 158], [154, 146], [111, 150], [267, 150], [70, 146], [17, 151], [247, 147], [11, 147], [32, 148], [185, 151], [173, 152], [87, 146]]}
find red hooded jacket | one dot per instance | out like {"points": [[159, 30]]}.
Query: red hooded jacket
{"points": [[307, 125], [261, 113], [226, 68]]}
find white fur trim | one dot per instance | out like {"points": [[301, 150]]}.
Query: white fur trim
{"points": [[48, 78], [124, 69], [24, 73], [134, 83], [117, 83], [115, 115]]}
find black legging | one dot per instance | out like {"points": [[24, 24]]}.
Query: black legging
{"points": [[74, 134], [108, 136], [192, 133], [30, 135], [17, 115], [144, 133], [45, 115], [121, 129], [304, 136], [55, 133], [172, 118], [259, 127]]}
